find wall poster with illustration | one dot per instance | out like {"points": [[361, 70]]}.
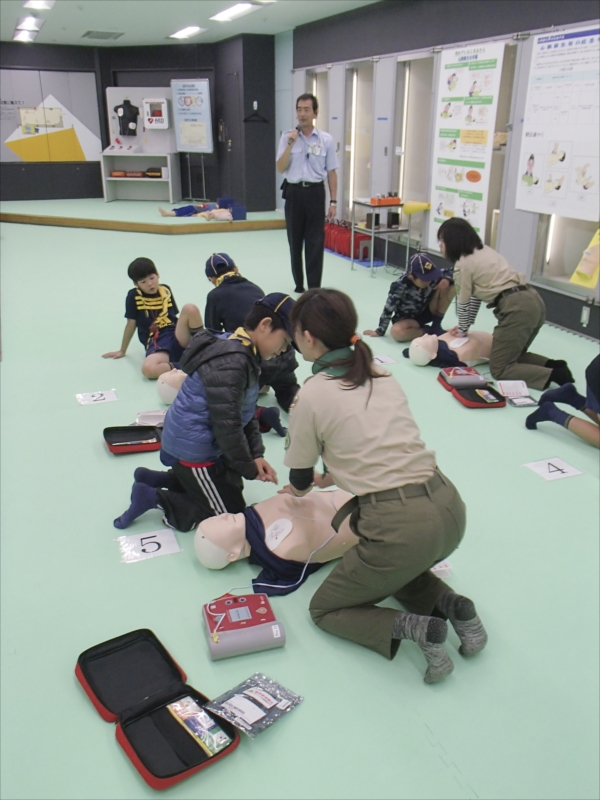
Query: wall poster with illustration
{"points": [[560, 149], [465, 117]]}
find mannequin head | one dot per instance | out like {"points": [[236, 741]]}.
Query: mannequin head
{"points": [[221, 540], [423, 349], [168, 384]]}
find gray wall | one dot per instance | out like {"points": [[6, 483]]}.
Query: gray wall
{"points": [[396, 26]]}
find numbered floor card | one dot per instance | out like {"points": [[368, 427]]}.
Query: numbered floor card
{"points": [[94, 398], [384, 359], [553, 469], [141, 546]]}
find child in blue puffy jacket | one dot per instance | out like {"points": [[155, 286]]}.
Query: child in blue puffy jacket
{"points": [[211, 438]]}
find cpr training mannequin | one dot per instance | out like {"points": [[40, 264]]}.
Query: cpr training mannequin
{"points": [[278, 534], [455, 351], [168, 384]]}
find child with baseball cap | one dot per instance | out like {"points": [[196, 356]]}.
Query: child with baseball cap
{"points": [[211, 437], [227, 306], [419, 298]]}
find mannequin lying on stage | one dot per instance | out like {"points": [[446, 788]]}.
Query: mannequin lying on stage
{"points": [[449, 351], [278, 534], [207, 211]]}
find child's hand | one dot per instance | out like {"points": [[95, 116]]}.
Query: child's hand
{"points": [[370, 333], [266, 472], [115, 354]]}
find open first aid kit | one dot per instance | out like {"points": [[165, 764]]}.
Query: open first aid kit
{"points": [[143, 435], [162, 723], [132, 438], [470, 388]]}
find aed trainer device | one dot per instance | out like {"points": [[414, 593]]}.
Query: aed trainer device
{"points": [[239, 624]]}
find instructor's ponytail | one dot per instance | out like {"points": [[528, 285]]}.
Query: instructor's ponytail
{"points": [[330, 316]]}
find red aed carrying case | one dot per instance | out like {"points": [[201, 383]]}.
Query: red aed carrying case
{"points": [[464, 383], [130, 680], [132, 438]]}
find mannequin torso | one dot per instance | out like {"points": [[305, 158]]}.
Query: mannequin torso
{"points": [[221, 540]]}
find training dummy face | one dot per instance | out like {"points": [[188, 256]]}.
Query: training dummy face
{"points": [[168, 384], [294, 527], [221, 540], [423, 349]]}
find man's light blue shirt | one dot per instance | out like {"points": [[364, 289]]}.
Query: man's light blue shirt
{"points": [[312, 157]]}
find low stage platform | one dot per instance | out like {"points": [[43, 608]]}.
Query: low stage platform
{"points": [[139, 216]]}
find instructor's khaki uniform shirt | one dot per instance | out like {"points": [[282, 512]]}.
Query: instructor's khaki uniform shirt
{"points": [[366, 436], [484, 274]]}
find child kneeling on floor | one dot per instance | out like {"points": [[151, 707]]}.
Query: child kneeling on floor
{"points": [[211, 438]]}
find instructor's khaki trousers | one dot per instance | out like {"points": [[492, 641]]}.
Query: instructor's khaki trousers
{"points": [[400, 539], [520, 317]]}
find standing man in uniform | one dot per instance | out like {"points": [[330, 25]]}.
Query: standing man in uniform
{"points": [[306, 157]]}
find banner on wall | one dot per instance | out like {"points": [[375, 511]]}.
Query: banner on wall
{"points": [[465, 117], [192, 116], [559, 161], [48, 116]]}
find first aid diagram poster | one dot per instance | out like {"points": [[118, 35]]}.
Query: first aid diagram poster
{"points": [[192, 116], [465, 118], [559, 160]]}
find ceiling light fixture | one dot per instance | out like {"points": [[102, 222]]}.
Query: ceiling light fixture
{"points": [[234, 12], [40, 5], [30, 24], [185, 33], [24, 36]]}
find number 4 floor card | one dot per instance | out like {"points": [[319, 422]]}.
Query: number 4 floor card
{"points": [[140, 546], [553, 469]]}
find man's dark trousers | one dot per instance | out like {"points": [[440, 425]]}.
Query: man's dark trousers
{"points": [[305, 223]]}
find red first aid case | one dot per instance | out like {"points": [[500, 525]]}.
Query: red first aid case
{"points": [[130, 680], [132, 438], [461, 378], [481, 395]]}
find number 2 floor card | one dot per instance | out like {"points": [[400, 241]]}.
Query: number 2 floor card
{"points": [[553, 469], [95, 398], [140, 546]]}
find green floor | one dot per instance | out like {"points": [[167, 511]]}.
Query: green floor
{"points": [[518, 721]]}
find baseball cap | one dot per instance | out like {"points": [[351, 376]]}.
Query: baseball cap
{"points": [[423, 268], [282, 305], [219, 263]]}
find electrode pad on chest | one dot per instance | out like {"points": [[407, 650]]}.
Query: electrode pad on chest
{"points": [[276, 532]]}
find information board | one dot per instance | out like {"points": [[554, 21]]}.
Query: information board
{"points": [[192, 119], [465, 117], [559, 161]]}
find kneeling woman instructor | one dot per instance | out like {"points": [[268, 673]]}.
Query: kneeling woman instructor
{"points": [[406, 514]]}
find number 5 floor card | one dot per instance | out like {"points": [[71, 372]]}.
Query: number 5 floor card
{"points": [[140, 546], [553, 469]]}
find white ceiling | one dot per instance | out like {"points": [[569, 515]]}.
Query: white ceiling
{"points": [[149, 22]]}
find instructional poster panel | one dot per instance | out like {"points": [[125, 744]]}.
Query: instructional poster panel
{"points": [[560, 149], [192, 116], [464, 135]]}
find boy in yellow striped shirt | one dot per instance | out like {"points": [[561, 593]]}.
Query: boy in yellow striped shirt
{"points": [[150, 308]]}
